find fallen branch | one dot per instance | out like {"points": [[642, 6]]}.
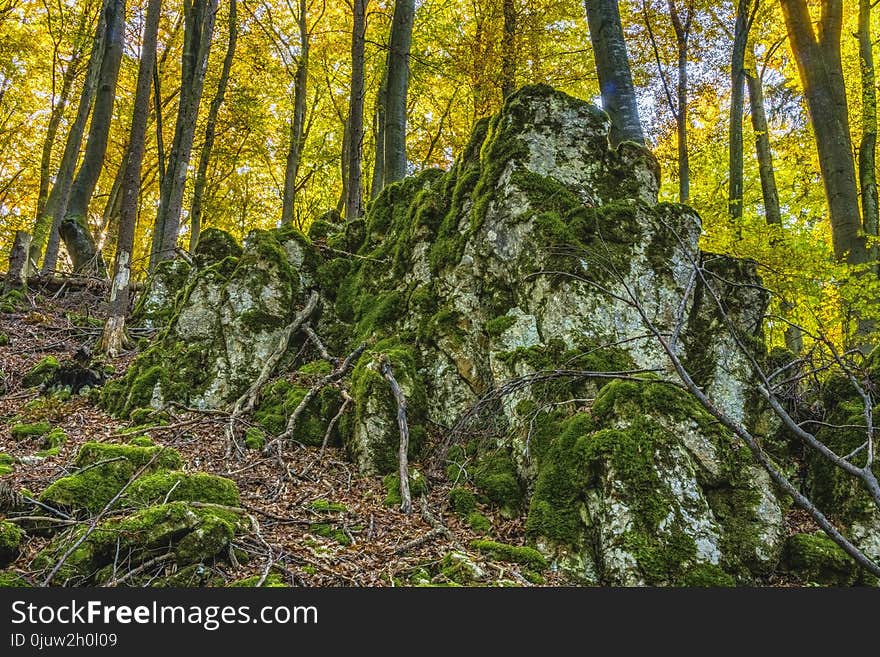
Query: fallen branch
{"points": [[421, 540], [246, 403], [402, 453], [340, 371], [137, 571]]}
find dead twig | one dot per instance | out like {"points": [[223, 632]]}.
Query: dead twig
{"points": [[402, 453]]}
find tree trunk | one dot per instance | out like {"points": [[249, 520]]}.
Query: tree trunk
{"points": [[297, 126], [612, 68], [211, 131], [735, 144], [682, 37], [17, 274], [45, 233], [868, 145], [354, 195], [769, 191], [379, 130], [508, 49], [818, 60], [198, 30], [74, 230], [113, 338], [398, 86], [160, 135], [52, 131]]}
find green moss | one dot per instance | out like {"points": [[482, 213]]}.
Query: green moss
{"points": [[148, 417], [457, 567], [326, 506], [173, 486], [329, 530], [11, 538], [191, 534], [10, 580], [254, 438], [5, 469], [24, 431], [496, 478], [496, 327], [4, 339], [511, 553], [273, 580], [418, 486], [104, 470], [315, 368], [141, 441], [55, 438], [707, 575], [815, 558], [462, 501], [214, 245], [280, 398], [40, 373], [479, 523]]}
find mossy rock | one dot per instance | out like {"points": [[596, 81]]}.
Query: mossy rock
{"points": [[815, 558], [495, 476], [462, 501], [189, 534], [511, 553], [213, 246], [458, 568], [104, 469], [25, 431], [273, 580], [41, 372], [174, 486], [11, 538], [4, 339], [277, 402]]}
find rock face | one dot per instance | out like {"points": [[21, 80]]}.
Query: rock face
{"points": [[543, 249]]}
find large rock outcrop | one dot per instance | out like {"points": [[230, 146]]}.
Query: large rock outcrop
{"points": [[542, 250]]}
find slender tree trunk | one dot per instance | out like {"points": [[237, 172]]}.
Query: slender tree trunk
{"points": [[52, 132], [737, 78], [612, 68], [113, 338], [297, 126], [682, 37], [45, 233], [379, 130], [819, 65], [211, 131], [160, 123], [761, 130], [198, 31], [508, 49], [354, 194], [868, 145], [74, 230], [398, 86]]}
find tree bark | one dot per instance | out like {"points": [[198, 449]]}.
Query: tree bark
{"points": [[354, 194], [735, 143], [508, 49], [17, 274], [45, 233], [868, 145], [74, 230], [113, 338], [682, 37], [769, 191], [612, 68], [199, 18], [297, 125], [211, 130], [160, 134], [379, 130], [398, 86], [819, 65]]}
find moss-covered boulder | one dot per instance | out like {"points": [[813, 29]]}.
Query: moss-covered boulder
{"points": [[646, 488], [174, 534], [102, 470], [816, 559], [41, 372], [11, 537], [223, 324], [173, 486]]}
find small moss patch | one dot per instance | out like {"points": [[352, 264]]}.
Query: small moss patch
{"points": [[511, 553]]}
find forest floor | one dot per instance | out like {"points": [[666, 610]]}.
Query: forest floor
{"points": [[370, 543]]}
